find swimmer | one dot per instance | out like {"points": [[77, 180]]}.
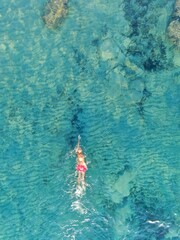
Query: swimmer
{"points": [[81, 166]]}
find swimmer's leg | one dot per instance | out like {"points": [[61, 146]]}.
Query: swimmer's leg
{"points": [[83, 176], [79, 178], [83, 180]]}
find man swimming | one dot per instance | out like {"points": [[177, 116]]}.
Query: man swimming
{"points": [[81, 166]]}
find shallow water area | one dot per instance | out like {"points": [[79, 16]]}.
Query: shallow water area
{"points": [[110, 73]]}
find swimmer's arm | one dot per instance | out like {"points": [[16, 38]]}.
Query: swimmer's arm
{"points": [[78, 144], [79, 138]]}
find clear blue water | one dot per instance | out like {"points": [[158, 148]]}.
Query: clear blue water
{"points": [[110, 74]]}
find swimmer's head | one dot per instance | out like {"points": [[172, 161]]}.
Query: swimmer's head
{"points": [[79, 150]]}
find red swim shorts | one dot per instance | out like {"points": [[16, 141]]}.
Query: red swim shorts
{"points": [[81, 168]]}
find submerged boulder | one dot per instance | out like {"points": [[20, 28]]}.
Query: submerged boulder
{"points": [[174, 26], [55, 11], [174, 32]]}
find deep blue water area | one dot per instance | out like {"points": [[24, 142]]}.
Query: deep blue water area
{"points": [[110, 73]]}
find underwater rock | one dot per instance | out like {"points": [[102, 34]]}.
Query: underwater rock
{"points": [[137, 85], [133, 67], [147, 49], [55, 11], [174, 26], [108, 50], [174, 32], [122, 184], [122, 228], [116, 197], [177, 9]]}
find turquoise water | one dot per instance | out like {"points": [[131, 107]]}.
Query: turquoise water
{"points": [[110, 74]]}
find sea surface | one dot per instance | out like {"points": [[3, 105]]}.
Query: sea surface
{"points": [[109, 73]]}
